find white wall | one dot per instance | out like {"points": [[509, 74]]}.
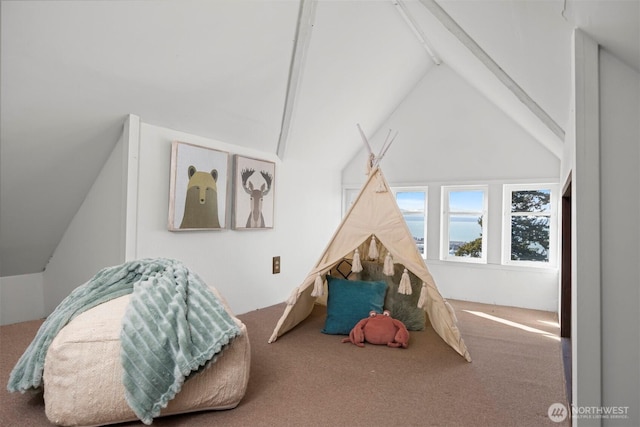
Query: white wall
{"points": [[21, 298], [124, 217], [449, 134], [583, 162], [238, 263], [602, 156], [95, 237], [620, 234]]}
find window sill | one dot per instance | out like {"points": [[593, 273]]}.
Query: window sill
{"points": [[492, 266], [466, 260]]}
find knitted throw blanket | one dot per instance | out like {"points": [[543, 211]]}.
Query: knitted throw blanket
{"points": [[173, 325]]}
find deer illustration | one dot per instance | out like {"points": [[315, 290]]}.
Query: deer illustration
{"points": [[256, 219]]}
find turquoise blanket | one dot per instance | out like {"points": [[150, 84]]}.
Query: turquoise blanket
{"points": [[173, 325]]}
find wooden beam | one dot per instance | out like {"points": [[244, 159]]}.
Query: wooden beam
{"points": [[306, 15], [415, 28], [448, 22]]}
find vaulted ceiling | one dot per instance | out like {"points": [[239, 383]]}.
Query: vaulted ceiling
{"points": [[289, 77]]}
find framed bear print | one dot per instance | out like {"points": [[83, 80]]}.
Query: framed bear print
{"points": [[253, 195], [198, 187]]}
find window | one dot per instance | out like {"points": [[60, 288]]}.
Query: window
{"points": [[413, 205], [464, 225], [530, 225]]}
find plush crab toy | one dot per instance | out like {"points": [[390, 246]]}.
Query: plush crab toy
{"points": [[379, 329]]}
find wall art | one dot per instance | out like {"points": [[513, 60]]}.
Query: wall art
{"points": [[198, 188], [254, 189]]}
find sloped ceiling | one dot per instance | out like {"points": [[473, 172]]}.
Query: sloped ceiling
{"points": [[71, 71]]}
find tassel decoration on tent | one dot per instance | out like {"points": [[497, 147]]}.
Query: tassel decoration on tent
{"points": [[405, 284], [318, 286], [422, 301], [373, 249], [388, 269], [356, 267]]}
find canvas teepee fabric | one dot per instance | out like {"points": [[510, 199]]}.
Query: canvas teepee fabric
{"points": [[375, 213]]}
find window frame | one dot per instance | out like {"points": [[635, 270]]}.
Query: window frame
{"points": [[507, 193], [416, 189], [447, 213]]}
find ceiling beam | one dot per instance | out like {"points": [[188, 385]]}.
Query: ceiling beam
{"points": [[452, 26], [416, 30], [306, 16]]}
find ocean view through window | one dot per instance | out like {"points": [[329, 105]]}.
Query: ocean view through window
{"points": [[413, 205], [464, 226]]}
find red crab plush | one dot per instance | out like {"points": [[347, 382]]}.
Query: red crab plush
{"points": [[379, 329]]}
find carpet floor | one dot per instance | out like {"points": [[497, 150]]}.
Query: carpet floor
{"points": [[307, 378]]}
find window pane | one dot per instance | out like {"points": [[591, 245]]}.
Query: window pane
{"points": [[465, 235], [466, 201], [412, 205], [531, 201], [530, 238]]}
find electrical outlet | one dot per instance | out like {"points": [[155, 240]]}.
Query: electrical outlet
{"points": [[276, 265]]}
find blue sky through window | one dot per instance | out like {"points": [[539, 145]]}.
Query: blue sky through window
{"points": [[412, 204], [411, 200], [466, 201]]}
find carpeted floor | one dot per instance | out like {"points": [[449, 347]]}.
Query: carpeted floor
{"points": [[307, 378]]}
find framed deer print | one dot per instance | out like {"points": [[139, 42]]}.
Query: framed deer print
{"points": [[198, 187], [253, 197]]}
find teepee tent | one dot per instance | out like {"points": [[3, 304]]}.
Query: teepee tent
{"points": [[374, 215]]}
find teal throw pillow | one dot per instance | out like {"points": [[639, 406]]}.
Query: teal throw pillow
{"points": [[350, 301]]}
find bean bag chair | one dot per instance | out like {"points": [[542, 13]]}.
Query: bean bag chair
{"points": [[139, 340], [83, 374]]}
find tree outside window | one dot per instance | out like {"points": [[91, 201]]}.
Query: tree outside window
{"points": [[471, 249], [530, 230]]}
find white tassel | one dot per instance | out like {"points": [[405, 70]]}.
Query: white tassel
{"points": [[388, 269], [422, 301], [373, 249], [318, 286], [405, 284], [356, 267]]}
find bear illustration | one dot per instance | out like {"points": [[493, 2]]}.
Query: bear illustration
{"points": [[201, 204]]}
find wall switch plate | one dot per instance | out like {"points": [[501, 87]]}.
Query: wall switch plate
{"points": [[276, 265]]}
